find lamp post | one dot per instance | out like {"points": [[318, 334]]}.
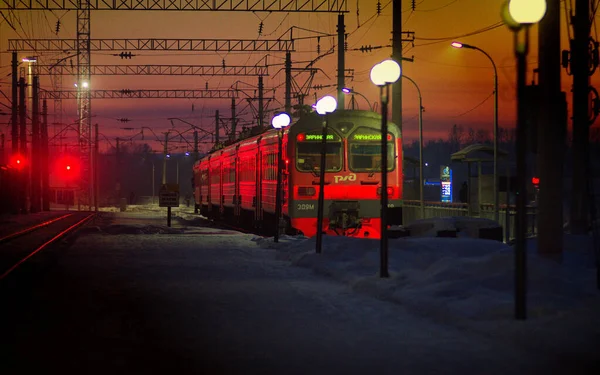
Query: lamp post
{"points": [[496, 196], [279, 122], [420, 145], [521, 14], [325, 105], [382, 75], [347, 90]]}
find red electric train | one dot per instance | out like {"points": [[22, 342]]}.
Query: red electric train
{"points": [[238, 183]]}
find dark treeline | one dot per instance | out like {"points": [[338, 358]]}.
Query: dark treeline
{"points": [[131, 171]]}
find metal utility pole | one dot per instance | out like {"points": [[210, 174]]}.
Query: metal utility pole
{"points": [[96, 183], [288, 82], [35, 150], [195, 146], [341, 29], [24, 185], [397, 56], [165, 152], [14, 105], [521, 51], [579, 67], [216, 130], [233, 121], [118, 172], [260, 102], [551, 136], [44, 159]]}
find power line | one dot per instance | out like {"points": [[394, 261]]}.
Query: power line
{"points": [[474, 108]]}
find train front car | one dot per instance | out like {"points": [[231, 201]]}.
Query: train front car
{"points": [[352, 187]]}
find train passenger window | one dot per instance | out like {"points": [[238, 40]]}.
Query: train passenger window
{"points": [[364, 151], [308, 153]]}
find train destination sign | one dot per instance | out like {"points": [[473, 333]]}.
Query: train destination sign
{"points": [[316, 137], [369, 137]]}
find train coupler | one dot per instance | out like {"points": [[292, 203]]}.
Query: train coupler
{"points": [[344, 217]]}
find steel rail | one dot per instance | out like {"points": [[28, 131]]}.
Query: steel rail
{"points": [[25, 231], [54, 239]]}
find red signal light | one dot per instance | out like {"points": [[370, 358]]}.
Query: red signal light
{"points": [[301, 137], [535, 180], [389, 137], [17, 161]]}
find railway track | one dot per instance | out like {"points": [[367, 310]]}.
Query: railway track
{"points": [[20, 245]]}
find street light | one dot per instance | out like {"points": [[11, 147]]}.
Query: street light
{"points": [[279, 122], [325, 105], [382, 75], [517, 15], [347, 90], [496, 199], [420, 145]]}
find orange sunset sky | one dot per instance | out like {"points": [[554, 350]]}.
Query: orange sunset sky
{"points": [[453, 82]]}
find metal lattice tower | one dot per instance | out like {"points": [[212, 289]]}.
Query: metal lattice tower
{"points": [[83, 97], [56, 81]]}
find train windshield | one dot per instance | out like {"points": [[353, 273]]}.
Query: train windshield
{"points": [[308, 152], [364, 154]]}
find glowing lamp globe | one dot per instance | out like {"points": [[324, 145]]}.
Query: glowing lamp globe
{"points": [[326, 104], [377, 75], [281, 120], [527, 11], [387, 71], [391, 70]]}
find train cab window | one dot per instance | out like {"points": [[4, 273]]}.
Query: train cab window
{"points": [[364, 151], [308, 152]]}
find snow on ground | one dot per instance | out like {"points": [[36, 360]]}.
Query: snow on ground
{"points": [[463, 281]]}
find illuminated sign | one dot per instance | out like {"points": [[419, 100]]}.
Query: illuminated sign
{"points": [[446, 182], [369, 137], [318, 137]]}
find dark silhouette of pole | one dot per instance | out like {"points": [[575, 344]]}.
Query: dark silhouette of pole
{"points": [[97, 183], [521, 50], [341, 29], [118, 172], [288, 82], [579, 66], [216, 127], [551, 136], [196, 146], [166, 152], [45, 158], [383, 253], [278, 192], [233, 121], [321, 200], [14, 105], [24, 195], [36, 205], [397, 56], [260, 103]]}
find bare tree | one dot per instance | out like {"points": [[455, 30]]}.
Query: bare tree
{"points": [[456, 137], [482, 136]]}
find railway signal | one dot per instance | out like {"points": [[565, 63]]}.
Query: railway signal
{"points": [[17, 161]]}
